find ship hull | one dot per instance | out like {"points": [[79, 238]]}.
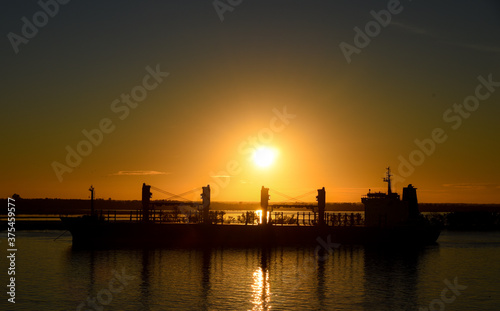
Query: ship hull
{"points": [[90, 233]]}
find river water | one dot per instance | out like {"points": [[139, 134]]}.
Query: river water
{"points": [[461, 272]]}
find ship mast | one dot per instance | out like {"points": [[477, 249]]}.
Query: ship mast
{"points": [[91, 200], [387, 179]]}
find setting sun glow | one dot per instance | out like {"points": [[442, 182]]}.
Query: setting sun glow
{"points": [[264, 156]]}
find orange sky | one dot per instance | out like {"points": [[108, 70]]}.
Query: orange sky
{"points": [[204, 94]]}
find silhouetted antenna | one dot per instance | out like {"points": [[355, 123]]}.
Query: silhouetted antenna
{"points": [[387, 179]]}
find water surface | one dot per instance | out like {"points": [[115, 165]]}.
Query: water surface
{"points": [[51, 275]]}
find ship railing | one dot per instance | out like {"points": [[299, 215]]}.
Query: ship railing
{"points": [[246, 218]]}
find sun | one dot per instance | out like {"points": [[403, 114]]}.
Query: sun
{"points": [[264, 156]]}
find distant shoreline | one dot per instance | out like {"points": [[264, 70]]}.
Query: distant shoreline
{"points": [[80, 206], [43, 214]]}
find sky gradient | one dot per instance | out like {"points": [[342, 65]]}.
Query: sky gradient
{"points": [[205, 92]]}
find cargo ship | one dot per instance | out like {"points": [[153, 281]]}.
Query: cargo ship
{"points": [[388, 220]]}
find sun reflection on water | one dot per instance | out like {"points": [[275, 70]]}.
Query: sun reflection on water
{"points": [[261, 291]]}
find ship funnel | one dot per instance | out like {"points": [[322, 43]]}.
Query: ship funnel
{"points": [[410, 196]]}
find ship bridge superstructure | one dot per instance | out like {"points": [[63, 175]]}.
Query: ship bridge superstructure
{"points": [[387, 209]]}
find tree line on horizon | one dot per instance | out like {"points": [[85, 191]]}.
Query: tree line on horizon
{"points": [[82, 206]]}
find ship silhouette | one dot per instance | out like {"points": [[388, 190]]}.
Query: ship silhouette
{"points": [[388, 220]]}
